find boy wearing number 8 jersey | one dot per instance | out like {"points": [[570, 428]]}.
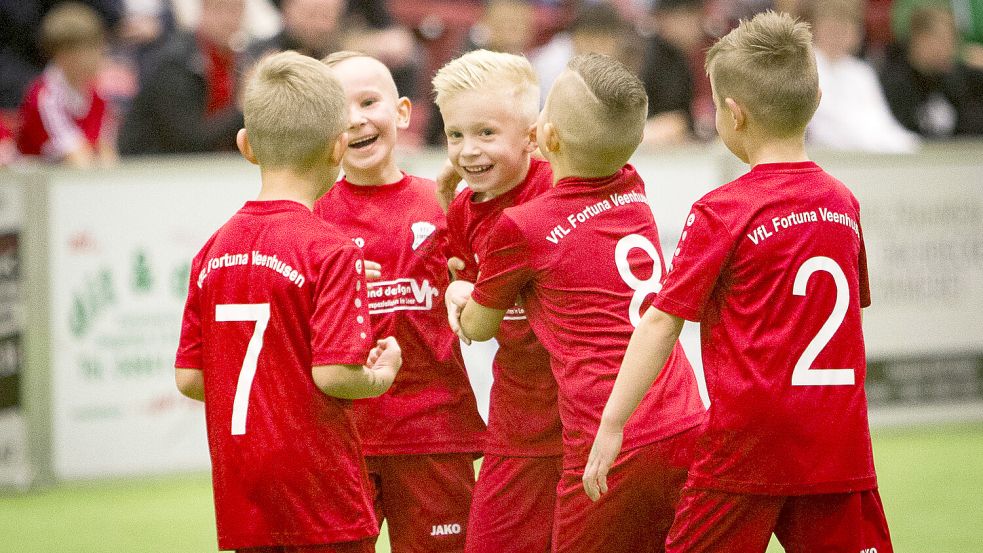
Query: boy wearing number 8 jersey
{"points": [[275, 334], [584, 259], [774, 268]]}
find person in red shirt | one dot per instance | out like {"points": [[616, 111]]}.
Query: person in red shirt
{"points": [[773, 266], [276, 338], [421, 438], [584, 259], [489, 102], [63, 117]]}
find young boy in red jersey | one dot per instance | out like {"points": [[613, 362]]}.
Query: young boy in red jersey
{"points": [[489, 102], [774, 268], [276, 332], [422, 437], [584, 258], [64, 118]]}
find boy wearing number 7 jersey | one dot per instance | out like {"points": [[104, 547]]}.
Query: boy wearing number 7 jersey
{"points": [[276, 336], [774, 268], [584, 259]]}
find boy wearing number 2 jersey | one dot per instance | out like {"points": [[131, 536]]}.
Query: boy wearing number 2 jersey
{"points": [[773, 267], [584, 259], [275, 334]]}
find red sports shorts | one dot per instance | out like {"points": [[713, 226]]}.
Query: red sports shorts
{"points": [[513, 505], [363, 546], [720, 522]]}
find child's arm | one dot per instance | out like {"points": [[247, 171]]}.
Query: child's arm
{"points": [[190, 382], [648, 350], [357, 382], [469, 319]]}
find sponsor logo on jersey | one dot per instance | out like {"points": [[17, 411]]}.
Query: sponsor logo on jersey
{"points": [[401, 294], [515, 313], [445, 529], [421, 231]]}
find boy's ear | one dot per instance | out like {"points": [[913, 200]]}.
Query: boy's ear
{"points": [[242, 141], [550, 142], [338, 149], [737, 112], [404, 108], [531, 145]]}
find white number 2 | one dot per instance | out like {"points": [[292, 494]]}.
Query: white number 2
{"points": [[642, 288], [260, 313], [803, 374]]}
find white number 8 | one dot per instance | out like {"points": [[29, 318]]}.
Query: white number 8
{"points": [[642, 288]]}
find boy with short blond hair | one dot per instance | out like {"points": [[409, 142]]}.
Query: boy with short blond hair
{"points": [[64, 117], [276, 338], [489, 102], [774, 268], [421, 438], [584, 258]]}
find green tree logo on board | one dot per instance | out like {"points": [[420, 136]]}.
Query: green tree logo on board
{"points": [[143, 278], [98, 293], [179, 280]]}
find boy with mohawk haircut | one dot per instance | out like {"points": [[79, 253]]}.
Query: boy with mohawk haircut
{"points": [[421, 438], [584, 259], [276, 331], [773, 266], [489, 102]]}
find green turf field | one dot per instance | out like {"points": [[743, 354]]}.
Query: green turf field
{"points": [[931, 481]]}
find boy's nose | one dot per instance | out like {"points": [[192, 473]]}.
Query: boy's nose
{"points": [[355, 118]]}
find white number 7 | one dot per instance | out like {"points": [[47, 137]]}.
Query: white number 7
{"points": [[260, 313], [803, 374]]}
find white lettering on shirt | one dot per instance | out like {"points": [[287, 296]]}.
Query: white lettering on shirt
{"points": [[401, 294], [238, 259], [578, 218], [795, 218]]}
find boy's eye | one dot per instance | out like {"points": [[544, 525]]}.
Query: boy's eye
{"points": [[367, 103], [453, 135], [487, 132]]}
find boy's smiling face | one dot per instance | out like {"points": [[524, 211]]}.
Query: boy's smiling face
{"points": [[488, 143], [375, 114]]}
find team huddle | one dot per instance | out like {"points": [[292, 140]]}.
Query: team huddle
{"points": [[335, 392]]}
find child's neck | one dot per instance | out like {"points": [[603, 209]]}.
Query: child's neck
{"points": [[787, 150], [287, 184], [388, 173], [563, 169]]}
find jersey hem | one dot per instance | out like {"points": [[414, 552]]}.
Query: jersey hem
{"points": [[681, 425], [673, 307], [335, 536], [755, 488], [371, 450]]}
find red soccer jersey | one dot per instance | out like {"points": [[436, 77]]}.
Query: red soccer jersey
{"points": [[274, 292], [430, 407], [56, 118], [584, 257], [773, 266], [523, 419]]}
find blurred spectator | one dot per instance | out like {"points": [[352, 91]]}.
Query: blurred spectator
{"points": [[968, 16], [187, 97], [8, 147], [680, 101], [309, 27], [505, 26], [853, 113], [63, 116], [929, 90], [595, 28], [21, 60]]}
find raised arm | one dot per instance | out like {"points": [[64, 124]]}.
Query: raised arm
{"points": [[357, 382]]}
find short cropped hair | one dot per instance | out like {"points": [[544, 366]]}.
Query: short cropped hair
{"points": [[608, 121], [71, 25], [487, 70], [294, 108], [767, 65], [335, 58]]}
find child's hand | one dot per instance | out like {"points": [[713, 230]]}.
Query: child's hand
{"points": [[457, 296], [385, 356], [373, 271], [607, 445], [455, 265], [447, 181]]}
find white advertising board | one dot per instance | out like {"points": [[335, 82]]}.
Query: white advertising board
{"points": [[121, 243]]}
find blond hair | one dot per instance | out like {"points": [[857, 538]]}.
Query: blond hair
{"points": [[335, 58], [600, 113], [294, 108], [487, 70], [71, 25], [768, 66]]}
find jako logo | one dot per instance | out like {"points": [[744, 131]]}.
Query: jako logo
{"points": [[869, 550], [449, 530]]}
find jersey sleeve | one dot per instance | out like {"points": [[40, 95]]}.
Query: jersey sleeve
{"points": [[862, 269], [189, 347], [696, 265], [505, 270], [341, 333]]}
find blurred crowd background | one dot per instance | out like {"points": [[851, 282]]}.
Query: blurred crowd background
{"points": [[88, 81]]}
